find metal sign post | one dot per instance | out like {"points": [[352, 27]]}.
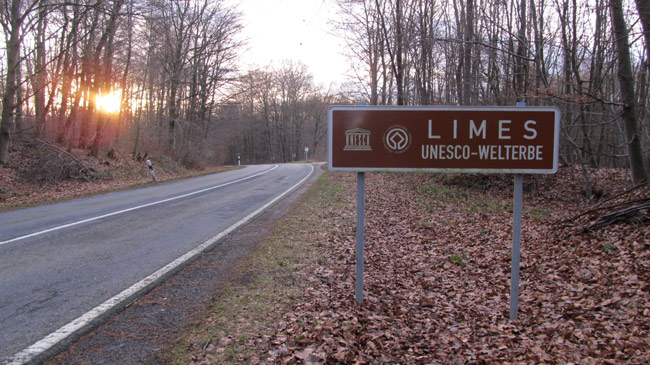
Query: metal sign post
{"points": [[518, 197], [361, 211], [516, 246]]}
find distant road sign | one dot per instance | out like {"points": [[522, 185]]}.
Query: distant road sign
{"points": [[522, 140]]}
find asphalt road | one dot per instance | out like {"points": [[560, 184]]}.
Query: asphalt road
{"points": [[60, 261]]}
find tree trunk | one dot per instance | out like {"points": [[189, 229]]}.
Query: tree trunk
{"points": [[20, 99], [40, 78], [104, 74], [125, 97], [11, 87], [626, 81], [520, 63], [395, 54], [399, 50], [467, 53], [541, 76], [173, 114]]}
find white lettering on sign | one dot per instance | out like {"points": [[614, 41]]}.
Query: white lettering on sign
{"points": [[502, 129], [446, 152], [475, 132], [518, 152], [484, 152], [480, 129], [431, 135], [529, 129]]}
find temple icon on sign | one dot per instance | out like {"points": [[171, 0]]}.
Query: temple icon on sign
{"points": [[357, 139]]}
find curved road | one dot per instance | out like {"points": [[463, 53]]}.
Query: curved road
{"points": [[60, 261]]}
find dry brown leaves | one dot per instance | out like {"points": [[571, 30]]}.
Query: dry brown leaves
{"points": [[39, 172], [437, 280]]}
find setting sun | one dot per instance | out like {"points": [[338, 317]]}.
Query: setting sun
{"points": [[110, 102]]}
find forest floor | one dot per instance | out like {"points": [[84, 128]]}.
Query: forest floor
{"points": [[39, 172], [437, 270]]}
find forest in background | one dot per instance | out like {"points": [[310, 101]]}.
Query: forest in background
{"points": [[161, 77], [149, 77], [588, 57]]}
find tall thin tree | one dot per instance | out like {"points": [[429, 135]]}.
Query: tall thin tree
{"points": [[626, 82]]}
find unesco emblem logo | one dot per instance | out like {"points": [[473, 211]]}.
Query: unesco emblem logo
{"points": [[397, 139]]}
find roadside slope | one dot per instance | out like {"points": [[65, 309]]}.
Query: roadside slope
{"points": [[41, 173]]}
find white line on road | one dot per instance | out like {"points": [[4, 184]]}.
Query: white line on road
{"points": [[132, 209], [54, 338]]}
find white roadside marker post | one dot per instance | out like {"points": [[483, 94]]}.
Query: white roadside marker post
{"points": [[153, 174]]}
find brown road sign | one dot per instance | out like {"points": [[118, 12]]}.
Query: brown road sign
{"points": [[522, 140]]}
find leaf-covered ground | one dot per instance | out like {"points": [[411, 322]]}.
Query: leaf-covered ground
{"points": [[438, 252], [40, 172]]}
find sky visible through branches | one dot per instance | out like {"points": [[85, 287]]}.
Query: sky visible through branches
{"points": [[298, 30]]}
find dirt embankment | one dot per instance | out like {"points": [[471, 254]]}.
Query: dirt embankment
{"points": [[40, 172]]}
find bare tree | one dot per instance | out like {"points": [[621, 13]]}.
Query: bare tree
{"points": [[13, 16], [626, 81], [279, 113]]}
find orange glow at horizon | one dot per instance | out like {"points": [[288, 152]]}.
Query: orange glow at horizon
{"points": [[109, 103]]}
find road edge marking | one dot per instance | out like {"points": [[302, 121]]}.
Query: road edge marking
{"points": [[63, 226], [50, 342]]}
